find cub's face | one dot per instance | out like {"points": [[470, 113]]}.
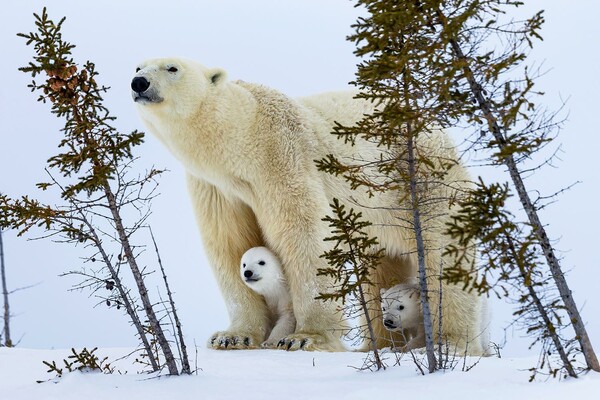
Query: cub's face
{"points": [[172, 85], [261, 271], [400, 307]]}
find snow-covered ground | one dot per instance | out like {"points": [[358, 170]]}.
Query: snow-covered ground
{"points": [[272, 374]]}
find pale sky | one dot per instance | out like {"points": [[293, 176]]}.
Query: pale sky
{"points": [[299, 48]]}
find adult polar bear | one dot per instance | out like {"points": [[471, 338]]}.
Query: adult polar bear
{"points": [[250, 153]]}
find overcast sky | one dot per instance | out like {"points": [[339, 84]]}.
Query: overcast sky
{"points": [[299, 48]]}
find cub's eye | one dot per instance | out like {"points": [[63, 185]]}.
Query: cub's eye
{"points": [[244, 265], [382, 308], [261, 263], [173, 69], [138, 69], [400, 307]]}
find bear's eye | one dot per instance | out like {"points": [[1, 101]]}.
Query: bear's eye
{"points": [[382, 308], [173, 69], [261, 263], [138, 69], [244, 265], [401, 308]]}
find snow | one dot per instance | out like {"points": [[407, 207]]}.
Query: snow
{"points": [[274, 374]]}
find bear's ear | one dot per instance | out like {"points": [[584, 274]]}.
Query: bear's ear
{"points": [[381, 292], [216, 76]]}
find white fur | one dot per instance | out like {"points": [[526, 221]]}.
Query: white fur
{"points": [[486, 321], [250, 153], [401, 308], [402, 312], [261, 271]]}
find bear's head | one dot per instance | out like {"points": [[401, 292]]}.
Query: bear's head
{"points": [[173, 85], [261, 271], [400, 306]]}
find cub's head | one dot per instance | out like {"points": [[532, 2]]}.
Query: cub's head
{"points": [[261, 270], [173, 85], [400, 305]]}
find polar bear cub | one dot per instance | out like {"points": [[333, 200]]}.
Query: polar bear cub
{"points": [[401, 307], [261, 271]]}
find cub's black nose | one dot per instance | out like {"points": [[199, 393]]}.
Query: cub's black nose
{"points": [[389, 323], [247, 273], [139, 84]]}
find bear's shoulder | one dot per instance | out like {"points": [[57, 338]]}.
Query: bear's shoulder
{"points": [[263, 94], [274, 107]]}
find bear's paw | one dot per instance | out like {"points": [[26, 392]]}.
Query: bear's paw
{"points": [[269, 344], [408, 348], [229, 340], [310, 342]]}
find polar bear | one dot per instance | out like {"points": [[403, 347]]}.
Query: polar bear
{"points": [[401, 308], [249, 152], [402, 312], [261, 271]]}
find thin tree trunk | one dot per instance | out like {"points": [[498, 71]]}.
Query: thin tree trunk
{"points": [[440, 317], [363, 304], [540, 232], [139, 279], [412, 173], [429, 346], [542, 311], [135, 320], [7, 339], [185, 364], [365, 308]]}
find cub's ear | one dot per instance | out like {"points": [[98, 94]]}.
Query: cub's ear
{"points": [[413, 280], [381, 292], [216, 76]]}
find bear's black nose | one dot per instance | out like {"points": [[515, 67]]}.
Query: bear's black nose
{"points": [[247, 273], [389, 323], [139, 84]]}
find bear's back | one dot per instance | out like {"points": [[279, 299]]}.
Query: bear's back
{"points": [[339, 107]]}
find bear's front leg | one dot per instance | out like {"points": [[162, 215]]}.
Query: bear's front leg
{"points": [[228, 229], [292, 223]]}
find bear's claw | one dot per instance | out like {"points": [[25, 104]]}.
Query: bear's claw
{"points": [[310, 342], [231, 341], [291, 344]]}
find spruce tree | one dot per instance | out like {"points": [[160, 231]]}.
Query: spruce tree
{"points": [[92, 174], [351, 260], [467, 79], [513, 129], [431, 64], [396, 75]]}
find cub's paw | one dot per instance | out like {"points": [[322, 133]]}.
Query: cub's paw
{"points": [[407, 349], [269, 344], [310, 342], [229, 340]]}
